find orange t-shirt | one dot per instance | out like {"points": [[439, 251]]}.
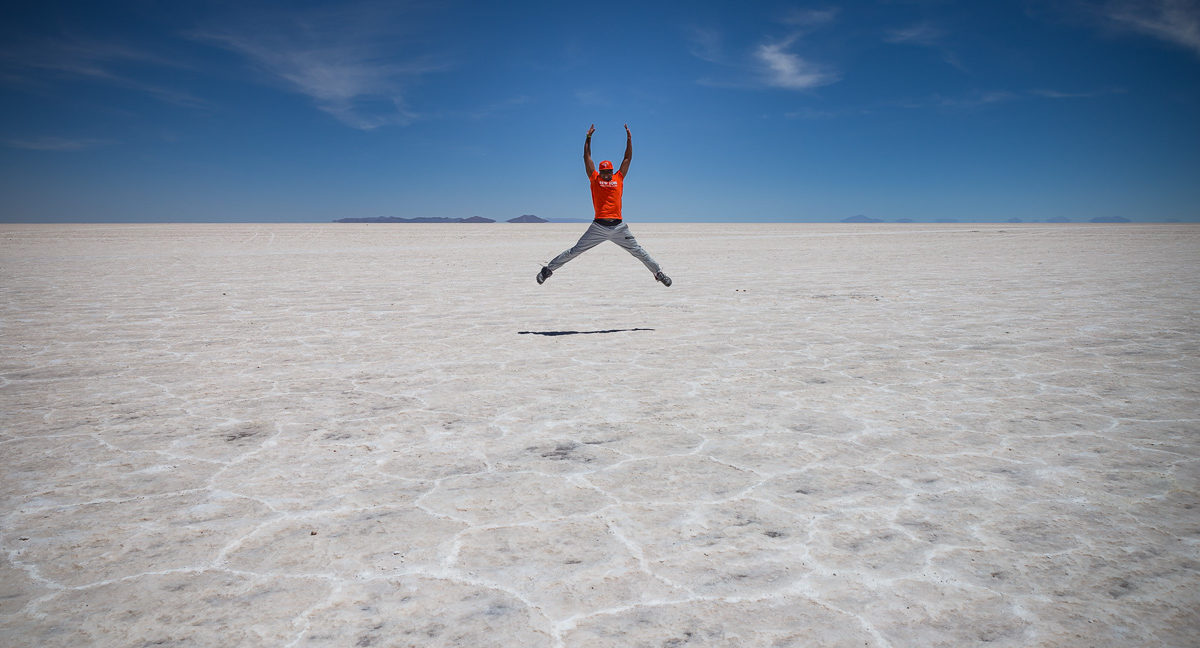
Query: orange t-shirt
{"points": [[606, 196]]}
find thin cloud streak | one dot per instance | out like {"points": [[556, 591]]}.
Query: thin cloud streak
{"points": [[1058, 94], [590, 97], [977, 99], [105, 62], [56, 144], [966, 101], [78, 57], [923, 34], [499, 107], [1173, 21], [807, 19], [705, 44]]}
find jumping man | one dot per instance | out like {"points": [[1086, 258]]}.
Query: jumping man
{"points": [[607, 226]]}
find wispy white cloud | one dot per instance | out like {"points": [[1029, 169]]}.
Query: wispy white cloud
{"points": [[784, 69], [56, 143], [1174, 21], [772, 63], [344, 59]]}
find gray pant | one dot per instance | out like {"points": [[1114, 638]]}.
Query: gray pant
{"points": [[597, 234]]}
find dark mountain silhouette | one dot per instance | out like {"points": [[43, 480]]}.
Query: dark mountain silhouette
{"points": [[393, 219], [527, 218], [861, 219]]}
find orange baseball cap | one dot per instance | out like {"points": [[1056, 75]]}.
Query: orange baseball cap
{"points": [[606, 166]]}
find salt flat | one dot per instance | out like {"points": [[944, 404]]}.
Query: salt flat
{"points": [[390, 435]]}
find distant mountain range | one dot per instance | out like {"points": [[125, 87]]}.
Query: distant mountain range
{"points": [[862, 219], [530, 218], [393, 219], [526, 218], [1056, 219]]}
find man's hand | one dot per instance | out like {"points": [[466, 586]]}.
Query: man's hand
{"points": [[593, 130], [628, 135]]}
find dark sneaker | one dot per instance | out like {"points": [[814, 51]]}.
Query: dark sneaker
{"points": [[666, 281], [546, 272]]}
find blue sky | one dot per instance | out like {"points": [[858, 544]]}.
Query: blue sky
{"points": [[762, 111]]}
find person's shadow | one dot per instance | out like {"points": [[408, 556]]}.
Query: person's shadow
{"points": [[581, 332]]}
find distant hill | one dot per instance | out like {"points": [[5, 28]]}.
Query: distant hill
{"points": [[861, 219], [1058, 219], [527, 218], [1111, 219], [393, 219]]}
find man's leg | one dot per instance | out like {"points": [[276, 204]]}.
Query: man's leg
{"points": [[593, 236], [624, 238]]}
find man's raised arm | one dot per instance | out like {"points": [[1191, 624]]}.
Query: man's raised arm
{"points": [[587, 153], [628, 152]]}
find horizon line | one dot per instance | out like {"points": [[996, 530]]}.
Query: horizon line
{"points": [[1175, 221]]}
